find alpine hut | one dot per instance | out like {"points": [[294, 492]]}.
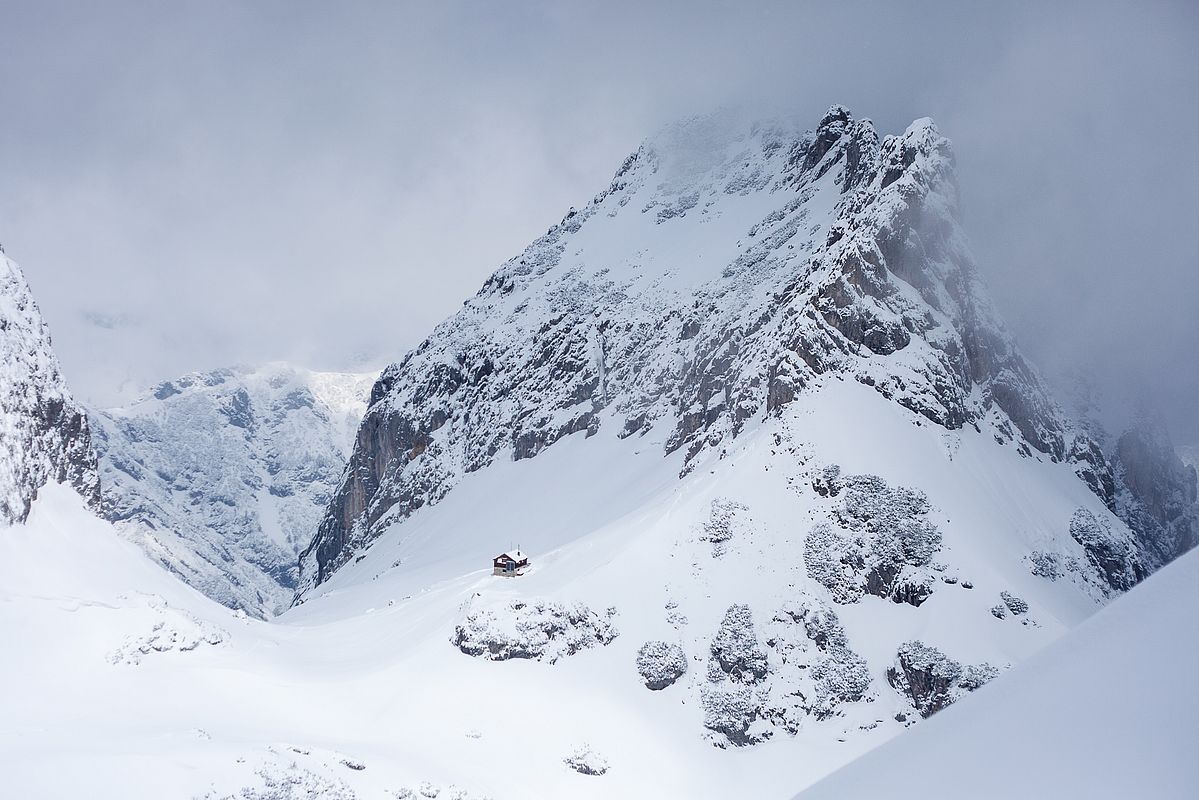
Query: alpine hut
{"points": [[510, 564]]}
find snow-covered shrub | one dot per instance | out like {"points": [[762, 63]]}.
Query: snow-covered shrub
{"points": [[542, 629], [586, 761], [841, 676], [880, 544], [430, 791], [660, 664], [820, 622], [975, 675], [828, 482], [813, 671], [292, 783], [1045, 565], [1112, 554], [736, 663], [727, 520], [736, 652], [999, 611], [730, 710], [1014, 604], [932, 680]]}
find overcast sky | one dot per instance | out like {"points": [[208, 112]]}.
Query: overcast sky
{"points": [[195, 184]]}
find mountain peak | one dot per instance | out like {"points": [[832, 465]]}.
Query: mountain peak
{"points": [[728, 267]]}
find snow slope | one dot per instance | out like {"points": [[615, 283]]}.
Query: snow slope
{"points": [[366, 673], [1107, 711], [223, 476]]}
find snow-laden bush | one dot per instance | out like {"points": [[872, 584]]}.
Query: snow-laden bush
{"points": [[813, 671], [1045, 565], [975, 675], [879, 544], [660, 664], [1014, 604], [737, 662], [736, 652], [291, 783], [586, 761], [841, 676], [542, 629], [1113, 555], [726, 521], [828, 482], [932, 680], [431, 791], [730, 710]]}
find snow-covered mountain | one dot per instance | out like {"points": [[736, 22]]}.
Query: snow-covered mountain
{"points": [[787, 488], [726, 270], [44, 434], [223, 476]]}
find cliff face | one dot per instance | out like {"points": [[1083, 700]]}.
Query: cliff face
{"points": [[1158, 491], [724, 268], [44, 434], [222, 476]]}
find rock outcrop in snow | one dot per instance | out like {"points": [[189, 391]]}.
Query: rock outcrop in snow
{"points": [[932, 680], [726, 268], [44, 433], [223, 476]]}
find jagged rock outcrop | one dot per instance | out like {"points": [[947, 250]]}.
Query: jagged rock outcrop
{"points": [[44, 433], [725, 269], [931, 680], [1158, 497], [223, 476]]}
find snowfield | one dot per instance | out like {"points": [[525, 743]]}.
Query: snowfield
{"points": [[360, 692]]}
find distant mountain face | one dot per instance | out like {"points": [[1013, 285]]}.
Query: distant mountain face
{"points": [[223, 476], [1155, 486], [44, 434], [724, 269]]}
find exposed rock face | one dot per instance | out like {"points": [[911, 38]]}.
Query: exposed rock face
{"points": [[726, 268], [44, 433], [223, 476], [1158, 501], [1113, 554]]}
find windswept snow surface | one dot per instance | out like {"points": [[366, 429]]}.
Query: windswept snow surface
{"points": [[124, 683], [1108, 711]]}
